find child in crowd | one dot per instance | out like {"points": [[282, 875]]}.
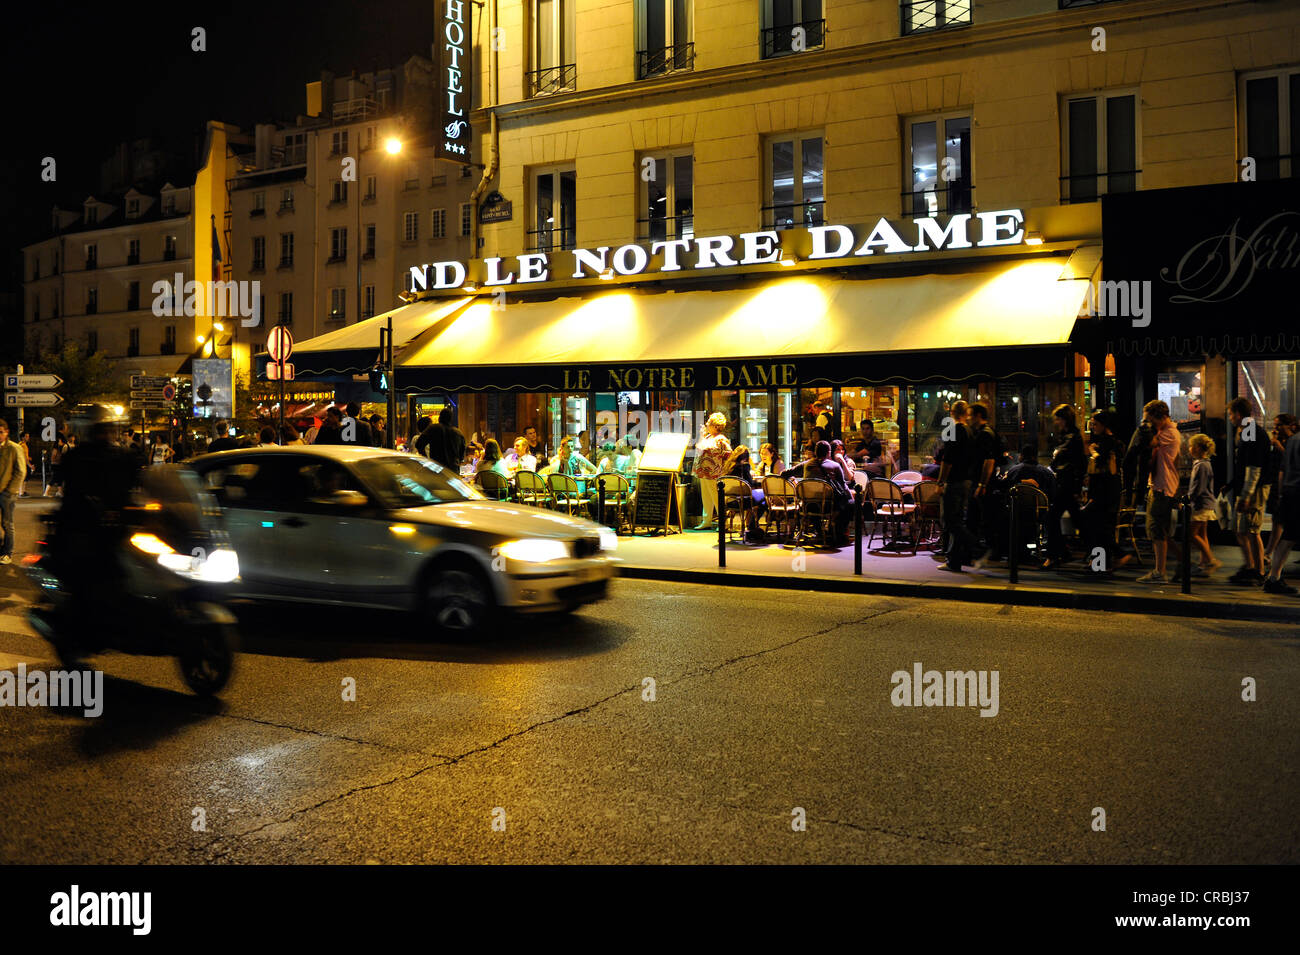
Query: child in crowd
{"points": [[1201, 492]]}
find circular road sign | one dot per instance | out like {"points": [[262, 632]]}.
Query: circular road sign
{"points": [[169, 392], [279, 344]]}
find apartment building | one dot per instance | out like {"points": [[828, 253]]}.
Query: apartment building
{"points": [[616, 128], [326, 213]]}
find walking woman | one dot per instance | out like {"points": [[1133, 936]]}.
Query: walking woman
{"points": [[1201, 491], [1068, 465], [711, 451]]}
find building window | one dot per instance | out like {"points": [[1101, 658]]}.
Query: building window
{"points": [[92, 256], [371, 187], [667, 208], [259, 204], [36, 267], [338, 142], [286, 200], [437, 181], [338, 245], [133, 252], [340, 191], [1270, 118], [295, 149], [286, 250], [410, 226], [554, 46], [372, 133], [411, 178], [259, 253], [1099, 137], [132, 296], [939, 173], [92, 214], [132, 208], [286, 308], [36, 308], [368, 301], [796, 196], [133, 343], [92, 341], [92, 301], [466, 218], [664, 37], [169, 204], [338, 304], [919, 16], [792, 26], [55, 312], [169, 248], [438, 220], [370, 241], [555, 210], [169, 340]]}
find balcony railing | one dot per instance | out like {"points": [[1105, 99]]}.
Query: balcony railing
{"points": [[553, 79], [132, 351], [661, 230], [350, 110], [91, 263], [285, 207], [669, 59], [286, 262], [133, 258], [953, 199], [785, 39], [921, 16], [133, 304], [259, 265], [256, 213], [549, 240], [286, 318], [795, 215], [167, 348], [1084, 187], [92, 308], [169, 255]]}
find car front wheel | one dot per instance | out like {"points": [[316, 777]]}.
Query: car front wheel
{"points": [[457, 602]]}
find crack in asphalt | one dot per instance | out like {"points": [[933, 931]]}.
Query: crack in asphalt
{"points": [[443, 761], [334, 736]]}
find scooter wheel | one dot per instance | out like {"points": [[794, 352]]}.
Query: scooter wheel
{"points": [[208, 659]]}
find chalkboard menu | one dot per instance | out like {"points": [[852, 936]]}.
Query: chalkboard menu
{"points": [[656, 493]]}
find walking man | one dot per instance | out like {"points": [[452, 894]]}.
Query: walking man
{"points": [[1164, 486], [13, 472], [1250, 457]]}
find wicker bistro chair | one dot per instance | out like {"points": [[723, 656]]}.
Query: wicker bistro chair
{"points": [[618, 498], [890, 512], [494, 485], [565, 494], [926, 516], [737, 499], [816, 507], [1125, 527], [782, 505], [1031, 518], [907, 477], [531, 489]]}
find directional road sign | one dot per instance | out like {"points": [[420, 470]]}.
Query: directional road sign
{"points": [[42, 382], [32, 399]]}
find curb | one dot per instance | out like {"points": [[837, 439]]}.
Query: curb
{"points": [[1177, 606]]}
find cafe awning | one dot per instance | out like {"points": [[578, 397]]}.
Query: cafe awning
{"points": [[992, 320], [353, 349]]}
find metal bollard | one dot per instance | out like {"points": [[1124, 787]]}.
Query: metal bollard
{"points": [[857, 532], [600, 501], [721, 514], [1186, 518], [1013, 547]]}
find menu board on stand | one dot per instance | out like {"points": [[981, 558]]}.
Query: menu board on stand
{"points": [[660, 502]]}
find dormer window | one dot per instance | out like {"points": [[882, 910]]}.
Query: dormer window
{"points": [[92, 214], [169, 204], [132, 208]]}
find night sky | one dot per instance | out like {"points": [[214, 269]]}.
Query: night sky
{"points": [[84, 78]]}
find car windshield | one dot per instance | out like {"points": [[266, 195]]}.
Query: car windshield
{"points": [[409, 481]]}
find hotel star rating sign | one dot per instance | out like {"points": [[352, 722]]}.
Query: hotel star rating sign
{"points": [[17, 394]]}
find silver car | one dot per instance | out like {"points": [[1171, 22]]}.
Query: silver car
{"points": [[373, 528]]}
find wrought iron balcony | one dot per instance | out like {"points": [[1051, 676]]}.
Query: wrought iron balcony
{"points": [[553, 79], [669, 59]]}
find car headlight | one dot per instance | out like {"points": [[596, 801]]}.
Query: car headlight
{"points": [[534, 551], [608, 539], [219, 567]]}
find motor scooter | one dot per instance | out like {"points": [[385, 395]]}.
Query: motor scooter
{"points": [[157, 589]]}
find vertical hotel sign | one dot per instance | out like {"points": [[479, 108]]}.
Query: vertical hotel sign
{"points": [[455, 80]]}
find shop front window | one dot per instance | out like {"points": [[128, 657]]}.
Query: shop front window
{"points": [[1273, 387], [879, 405]]}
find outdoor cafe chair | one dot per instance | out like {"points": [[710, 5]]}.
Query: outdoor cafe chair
{"points": [[926, 496], [494, 485], [531, 489], [816, 507], [737, 499], [565, 493], [907, 478], [891, 512], [1031, 518], [618, 497], [782, 505]]}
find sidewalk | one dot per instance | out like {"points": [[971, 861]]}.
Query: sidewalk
{"points": [[693, 558]]}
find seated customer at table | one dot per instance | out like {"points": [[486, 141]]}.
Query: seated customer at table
{"points": [[738, 465], [825, 469], [842, 459], [491, 460], [569, 461], [769, 462], [1029, 471], [520, 458]]}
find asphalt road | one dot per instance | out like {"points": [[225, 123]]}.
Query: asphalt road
{"points": [[764, 702]]}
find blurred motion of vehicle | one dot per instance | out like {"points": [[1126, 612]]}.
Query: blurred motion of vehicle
{"points": [[162, 594], [368, 527]]}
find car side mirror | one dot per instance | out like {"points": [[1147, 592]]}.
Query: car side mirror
{"points": [[349, 498]]}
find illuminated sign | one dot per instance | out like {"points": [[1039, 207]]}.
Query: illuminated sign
{"points": [[453, 70], [701, 253]]}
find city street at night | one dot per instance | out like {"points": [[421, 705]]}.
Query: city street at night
{"points": [[764, 701]]}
